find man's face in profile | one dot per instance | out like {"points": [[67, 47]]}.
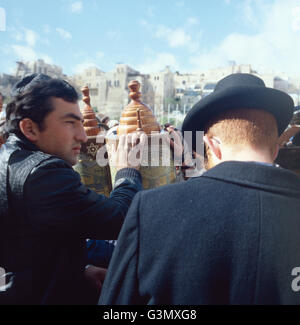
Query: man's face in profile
{"points": [[63, 131]]}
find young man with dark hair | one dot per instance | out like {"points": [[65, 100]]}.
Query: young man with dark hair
{"points": [[233, 236], [46, 213]]}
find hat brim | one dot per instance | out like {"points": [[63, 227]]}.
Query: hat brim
{"points": [[274, 101]]}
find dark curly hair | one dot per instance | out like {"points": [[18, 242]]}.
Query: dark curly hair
{"points": [[35, 102]]}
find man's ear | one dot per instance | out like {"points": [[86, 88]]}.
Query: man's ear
{"points": [[29, 129], [214, 146]]}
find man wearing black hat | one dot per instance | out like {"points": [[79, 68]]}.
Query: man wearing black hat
{"points": [[46, 213], [233, 236]]}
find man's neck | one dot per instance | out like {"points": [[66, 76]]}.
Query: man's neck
{"points": [[248, 154]]}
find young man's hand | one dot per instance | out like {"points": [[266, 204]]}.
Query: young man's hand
{"points": [[129, 152], [95, 277]]}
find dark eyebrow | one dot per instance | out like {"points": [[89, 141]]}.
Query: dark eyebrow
{"points": [[74, 116]]}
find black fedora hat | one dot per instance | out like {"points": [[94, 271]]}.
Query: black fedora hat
{"points": [[240, 90]]}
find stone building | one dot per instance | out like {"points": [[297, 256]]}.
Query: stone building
{"points": [[39, 66], [219, 73], [95, 79], [188, 90], [109, 91], [163, 91], [187, 81], [163, 95], [26, 68], [163, 86]]}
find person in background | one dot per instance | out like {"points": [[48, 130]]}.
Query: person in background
{"points": [[291, 136], [102, 125]]}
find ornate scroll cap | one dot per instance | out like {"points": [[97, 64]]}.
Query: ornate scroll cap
{"points": [[137, 116], [134, 87], [90, 122]]}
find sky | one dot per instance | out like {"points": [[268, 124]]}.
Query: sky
{"points": [[187, 35]]}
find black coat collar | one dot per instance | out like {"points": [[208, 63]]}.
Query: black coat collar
{"points": [[21, 142], [252, 174]]}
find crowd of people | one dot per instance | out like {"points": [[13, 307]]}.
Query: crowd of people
{"points": [[229, 236]]}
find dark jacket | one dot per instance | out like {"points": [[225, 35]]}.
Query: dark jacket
{"points": [[231, 236], [46, 214], [99, 252]]}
